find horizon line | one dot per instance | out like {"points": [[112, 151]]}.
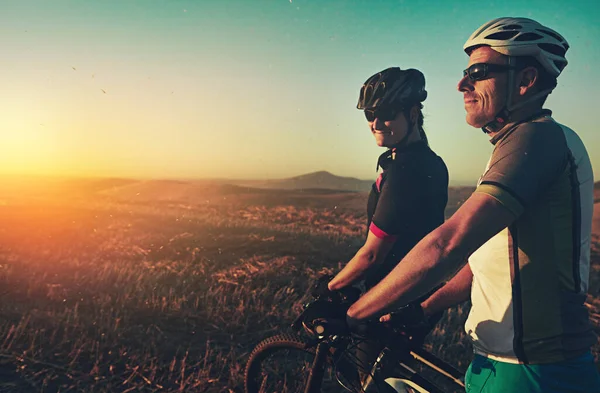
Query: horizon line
{"points": [[452, 183]]}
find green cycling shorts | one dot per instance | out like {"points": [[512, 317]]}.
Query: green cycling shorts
{"points": [[578, 375]]}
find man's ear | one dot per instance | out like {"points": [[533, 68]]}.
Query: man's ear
{"points": [[529, 76]]}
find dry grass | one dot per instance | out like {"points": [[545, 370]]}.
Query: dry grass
{"points": [[102, 292]]}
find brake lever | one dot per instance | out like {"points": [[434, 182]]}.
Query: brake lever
{"points": [[296, 324]]}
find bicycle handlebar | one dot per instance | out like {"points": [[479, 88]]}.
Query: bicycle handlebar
{"points": [[325, 315]]}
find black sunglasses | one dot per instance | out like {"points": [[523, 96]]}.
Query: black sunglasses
{"points": [[480, 71], [383, 114]]}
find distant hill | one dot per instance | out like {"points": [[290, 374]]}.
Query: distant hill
{"points": [[311, 181], [316, 183]]}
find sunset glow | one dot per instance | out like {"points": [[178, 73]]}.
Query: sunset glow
{"points": [[235, 90]]}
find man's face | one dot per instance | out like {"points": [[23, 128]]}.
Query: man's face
{"points": [[484, 98]]}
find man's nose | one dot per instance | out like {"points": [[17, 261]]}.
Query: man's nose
{"points": [[465, 84]]}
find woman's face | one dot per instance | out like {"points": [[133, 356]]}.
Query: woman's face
{"points": [[389, 133]]}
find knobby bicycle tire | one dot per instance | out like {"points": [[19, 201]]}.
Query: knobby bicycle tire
{"points": [[253, 373], [255, 378]]}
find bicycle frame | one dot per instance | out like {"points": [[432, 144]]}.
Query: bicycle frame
{"points": [[380, 373], [408, 377], [416, 381], [318, 367]]}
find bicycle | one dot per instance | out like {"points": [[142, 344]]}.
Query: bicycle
{"points": [[328, 355]]}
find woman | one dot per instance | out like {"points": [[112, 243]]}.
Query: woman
{"points": [[408, 199]]}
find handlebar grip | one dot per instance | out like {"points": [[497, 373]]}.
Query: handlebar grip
{"points": [[330, 326]]}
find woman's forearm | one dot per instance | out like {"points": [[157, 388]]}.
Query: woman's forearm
{"points": [[354, 270]]}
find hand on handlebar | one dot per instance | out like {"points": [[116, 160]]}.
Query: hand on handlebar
{"points": [[412, 320], [346, 295], [411, 315], [409, 319], [366, 328], [320, 288]]}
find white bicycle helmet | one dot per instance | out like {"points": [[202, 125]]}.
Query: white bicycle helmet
{"points": [[522, 37]]}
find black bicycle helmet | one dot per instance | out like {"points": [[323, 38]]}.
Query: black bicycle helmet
{"points": [[393, 87]]}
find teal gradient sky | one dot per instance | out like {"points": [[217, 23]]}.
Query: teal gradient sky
{"points": [[251, 89]]}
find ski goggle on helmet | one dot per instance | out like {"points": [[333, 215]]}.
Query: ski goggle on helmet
{"points": [[390, 91]]}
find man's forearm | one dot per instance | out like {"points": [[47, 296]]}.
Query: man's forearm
{"points": [[456, 291], [427, 265], [437, 257]]}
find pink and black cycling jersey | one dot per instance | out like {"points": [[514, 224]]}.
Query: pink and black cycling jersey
{"points": [[406, 202]]}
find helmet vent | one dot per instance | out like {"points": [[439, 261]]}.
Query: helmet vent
{"points": [[512, 27], [551, 34], [560, 65], [378, 93], [366, 91], [528, 37], [503, 35], [554, 49]]}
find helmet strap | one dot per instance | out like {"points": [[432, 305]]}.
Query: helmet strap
{"points": [[503, 117], [500, 120]]}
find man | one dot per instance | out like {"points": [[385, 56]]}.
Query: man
{"points": [[525, 230]]}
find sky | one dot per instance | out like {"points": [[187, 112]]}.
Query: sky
{"points": [[251, 89]]}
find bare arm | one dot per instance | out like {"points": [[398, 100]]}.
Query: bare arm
{"points": [[370, 254], [436, 257], [456, 291]]}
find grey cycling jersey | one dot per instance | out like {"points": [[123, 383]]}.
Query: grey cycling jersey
{"points": [[531, 279]]}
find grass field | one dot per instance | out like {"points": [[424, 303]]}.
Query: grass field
{"points": [[165, 286]]}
